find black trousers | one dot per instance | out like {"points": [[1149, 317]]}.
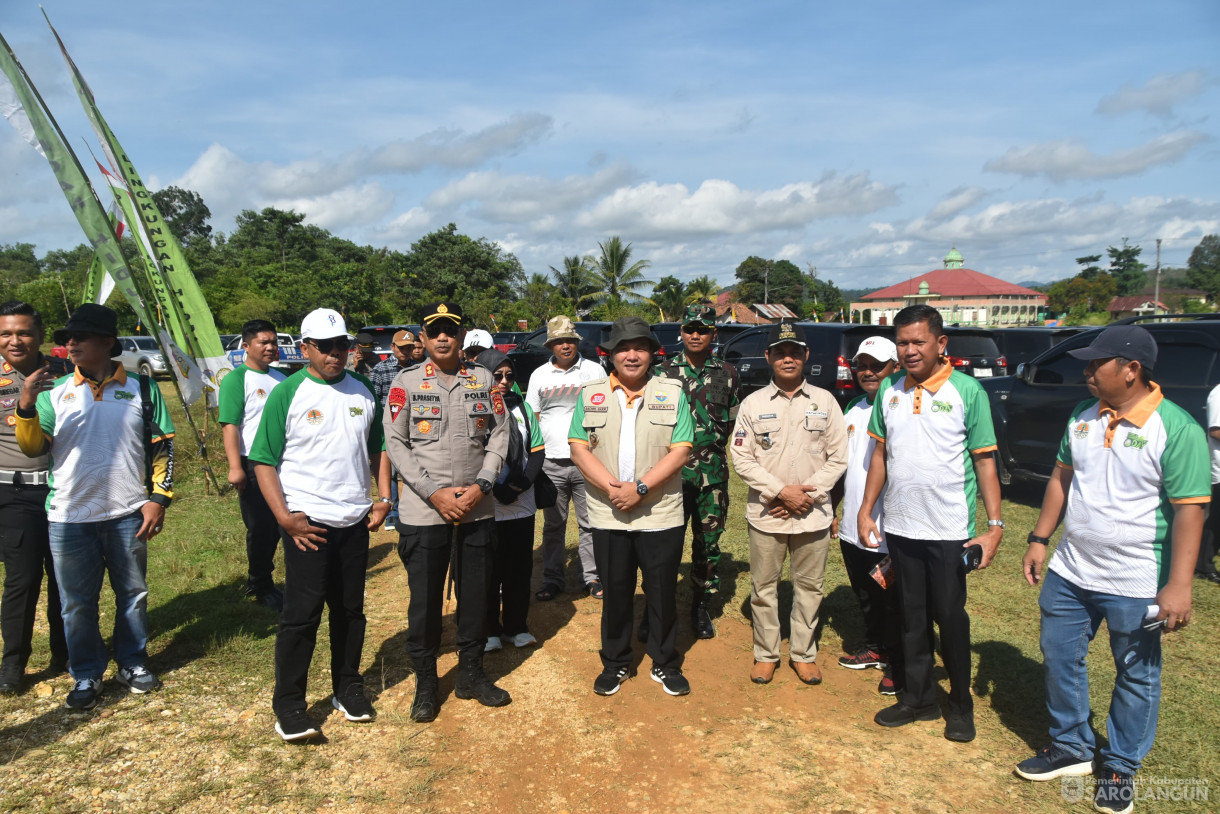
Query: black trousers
{"points": [[26, 550], [656, 555], [262, 533], [333, 576], [426, 552], [881, 607], [1211, 532], [508, 602], [932, 586]]}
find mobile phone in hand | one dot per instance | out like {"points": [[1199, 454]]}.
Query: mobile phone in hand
{"points": [[972, 557]]}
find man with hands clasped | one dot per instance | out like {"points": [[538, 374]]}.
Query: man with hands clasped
{"points": [[1131, 483]]}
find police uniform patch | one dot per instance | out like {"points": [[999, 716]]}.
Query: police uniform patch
{"points": [[424, 427], [7, 404], [479, 407], [397, 400], [6, 368], [480, 423], [5, 381], [425, 385], [11, 420], [497, 403], [429, 370]]}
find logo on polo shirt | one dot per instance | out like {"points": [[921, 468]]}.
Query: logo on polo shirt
{"points": [[355, 411], [261, 393], [1136, 441], [851, 431], [123, 395], [69, 397], [893, 401], [941, 406], [314, 417], [1081, 431]]}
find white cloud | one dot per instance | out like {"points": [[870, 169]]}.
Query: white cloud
{"points": [[957, 200], [519, 199], [721, 207], [1068, 159], [350, 206], [1158, 95]]}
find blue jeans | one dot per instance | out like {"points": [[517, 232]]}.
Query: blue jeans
{"points": [[1070, 618], [83, 553]]}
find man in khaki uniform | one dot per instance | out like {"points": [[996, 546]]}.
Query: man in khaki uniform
{"points": [[790, 447], [447, 435]]}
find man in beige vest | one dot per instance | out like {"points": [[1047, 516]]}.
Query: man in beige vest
{"points": [[631, 434], [790, 447]]}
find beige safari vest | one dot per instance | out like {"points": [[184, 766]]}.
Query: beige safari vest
{"points": [[654, 429]]}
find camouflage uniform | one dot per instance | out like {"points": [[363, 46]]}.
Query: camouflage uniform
{"points": [[713, 393]]}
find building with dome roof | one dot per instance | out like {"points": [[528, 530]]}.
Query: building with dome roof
{"points": [[963, 296]]}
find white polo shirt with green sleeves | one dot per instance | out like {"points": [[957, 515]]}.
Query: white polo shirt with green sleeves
{"points": [[1128, 473], [320, 435], [243, 394], [930, 431]]}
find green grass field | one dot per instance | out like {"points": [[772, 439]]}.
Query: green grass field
{"points": [[219, 652]]}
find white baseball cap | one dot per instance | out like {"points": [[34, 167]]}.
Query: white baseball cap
{"points": [[323, 323], [878, 347], [477, 338]]}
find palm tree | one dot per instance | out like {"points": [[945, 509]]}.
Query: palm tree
{"points": [[573, 282], [613, 278], [670, 297], [701, 291]]}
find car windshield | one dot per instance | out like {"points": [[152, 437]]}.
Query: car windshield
{"points": [[962, 345], [666, 334], [146, 343]]}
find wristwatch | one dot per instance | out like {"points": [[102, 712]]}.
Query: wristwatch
{"points": [[999, 523], [484, 484], [1033, 538], [641, 488], [389, 500]]}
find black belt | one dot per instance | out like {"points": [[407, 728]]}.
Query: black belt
{"points": [[561, 461], [11, 478]]}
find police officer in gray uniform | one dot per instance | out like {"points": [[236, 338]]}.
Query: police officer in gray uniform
{"points": [[447, 434]]}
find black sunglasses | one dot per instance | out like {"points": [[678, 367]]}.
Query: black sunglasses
{"points": [[702, 330], [79, 336], [324, 346], [875, 367], [506, 376]]}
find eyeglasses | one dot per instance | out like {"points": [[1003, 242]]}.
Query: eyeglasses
{"points": [[342, 344], [79, 336], [875, 367], [702, 330], [505, 376]]}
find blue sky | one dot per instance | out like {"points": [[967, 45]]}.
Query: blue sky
{"points": [[864, 139]]}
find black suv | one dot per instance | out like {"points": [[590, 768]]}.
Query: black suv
{"points": [[833, 344], [1020, 345], [383, 335], [669, 334], [531, 351], [1031, 409]]}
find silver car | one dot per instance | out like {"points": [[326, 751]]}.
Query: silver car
{"points": [[142, 355]]}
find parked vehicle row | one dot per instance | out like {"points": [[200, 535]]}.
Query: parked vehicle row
{"points": [[291, 357]]}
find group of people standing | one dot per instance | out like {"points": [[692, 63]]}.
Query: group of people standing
{"points": [[462, 461]]}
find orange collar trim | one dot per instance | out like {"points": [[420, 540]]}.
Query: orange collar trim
{"points": [[934, 382], [1140, 413], [119, 375], [615, 384]]}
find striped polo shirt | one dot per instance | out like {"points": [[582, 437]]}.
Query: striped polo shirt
{"points": [[1128, 472], [930, 431]]}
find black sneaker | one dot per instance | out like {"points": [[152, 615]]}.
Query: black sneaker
{"points": [[1115, 793], [901, 715], [137, 679], [272, 600], [887, 685], [609, 682], [960, 727], [864, 658], [295, 726], [1052, 762], [85, 693], [671, 680], [11, 677], [354, 706]]}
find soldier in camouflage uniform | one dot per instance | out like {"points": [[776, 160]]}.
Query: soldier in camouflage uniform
{"points": [[712, 389]]}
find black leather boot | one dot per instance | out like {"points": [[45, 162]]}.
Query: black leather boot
{"points": [[701, 616], [427, 699], [472, 682]]}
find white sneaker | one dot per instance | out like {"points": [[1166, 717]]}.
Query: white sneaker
{"points": [[493, 644], [525, 639]]}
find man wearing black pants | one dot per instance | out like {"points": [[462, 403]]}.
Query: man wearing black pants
{"points": [[320, 431], [931, 424], [24, 543]]}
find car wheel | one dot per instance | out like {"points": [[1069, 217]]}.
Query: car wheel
{"points": [[146, 370]]}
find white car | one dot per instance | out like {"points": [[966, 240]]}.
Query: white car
{"points": [[141, 354]]}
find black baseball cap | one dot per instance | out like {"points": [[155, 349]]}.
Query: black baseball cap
{"points": [[1128, 341], [786, 332]]}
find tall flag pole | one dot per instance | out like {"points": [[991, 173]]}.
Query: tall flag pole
{"points": [[177, 290], [22, 105]]}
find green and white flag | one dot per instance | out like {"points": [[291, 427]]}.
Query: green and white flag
{"points": [[23, 107], [178, 295]]}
